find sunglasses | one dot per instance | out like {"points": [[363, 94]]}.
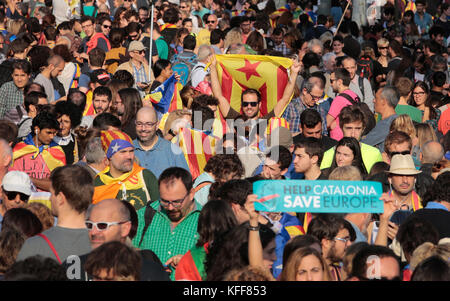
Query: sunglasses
{"points": [[400, 153], [210, 22], [133, 36], [383, 48], [102, 226], [11, 195], [106, 26], [252, 103]]}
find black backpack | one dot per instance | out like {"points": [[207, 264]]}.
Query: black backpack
{"points": [[368, 115]]}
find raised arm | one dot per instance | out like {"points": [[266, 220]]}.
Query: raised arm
{"points": [[283, 102], [224, 105], [255, 249]]}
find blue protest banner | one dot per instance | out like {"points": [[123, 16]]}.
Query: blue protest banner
{"points": [[318, 196]]}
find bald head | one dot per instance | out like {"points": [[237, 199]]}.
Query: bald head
{"points": [[110, 207], [432, 152], [146, 127], [147, 113], [108, 220]]}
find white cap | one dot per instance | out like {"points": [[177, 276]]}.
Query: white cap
{"points": [[17, 181]]}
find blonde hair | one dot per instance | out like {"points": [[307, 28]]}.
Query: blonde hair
{"points": [[346, 173], [234, 36], [425, 133], [15, 26], [289, 272], [382, 42], [427, 250], [403, 123]]}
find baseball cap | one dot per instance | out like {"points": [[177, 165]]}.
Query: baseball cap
{"points": [[136, 46], [17, 181], [100, 76]]}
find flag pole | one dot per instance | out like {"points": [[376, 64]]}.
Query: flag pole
{"points": [[342, 18], [152, 7]]}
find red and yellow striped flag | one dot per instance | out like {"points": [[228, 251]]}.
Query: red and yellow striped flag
{"points": [[276, 122], [267, 74], [197, 148], [89, 108], [53, 155]]}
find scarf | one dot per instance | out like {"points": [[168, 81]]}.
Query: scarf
{"points": [[111, 187], [52, 154]]}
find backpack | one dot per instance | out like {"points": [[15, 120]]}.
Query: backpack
{"points": [[365, 67], [149, 214], [368, 115], [183, 66]]}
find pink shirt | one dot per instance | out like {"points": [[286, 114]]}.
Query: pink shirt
{"points": [[338, 103], [34, 168]]}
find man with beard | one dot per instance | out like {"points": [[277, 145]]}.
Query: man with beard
{"points": [[153, 152], [124, 179], [168, 227], [101, 99], [335, 235]]}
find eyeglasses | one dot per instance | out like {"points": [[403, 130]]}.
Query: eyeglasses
{"points": [[175, 203], [315, 98], [145, 124], [11, 195], [418, 93], [251, 103], [343, 239], [102, 226], [106, 26]]}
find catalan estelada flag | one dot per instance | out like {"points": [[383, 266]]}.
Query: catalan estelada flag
{"points": [[166, 97], [52, 154], [89, 108], [267, 74], [197, 147]]}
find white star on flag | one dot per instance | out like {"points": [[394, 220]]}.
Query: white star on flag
{"points": [[115, 148]]}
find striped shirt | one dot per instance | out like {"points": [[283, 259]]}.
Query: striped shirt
{"points": [[10, 97], [164, 241]]}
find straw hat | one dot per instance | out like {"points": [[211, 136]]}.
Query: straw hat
{"points": [[403, 165]]}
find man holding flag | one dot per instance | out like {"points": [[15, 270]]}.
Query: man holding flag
{"points": [[251, 101]]}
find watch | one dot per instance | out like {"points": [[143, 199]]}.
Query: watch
{"points": [[253, 228]]}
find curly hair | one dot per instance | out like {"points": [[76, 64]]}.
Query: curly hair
{"points": [[249, 273], [36, 268], [123, 262], [43, 213], [223, 165]]}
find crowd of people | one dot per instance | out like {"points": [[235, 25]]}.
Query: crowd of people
{"points": [[96, 185]]}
